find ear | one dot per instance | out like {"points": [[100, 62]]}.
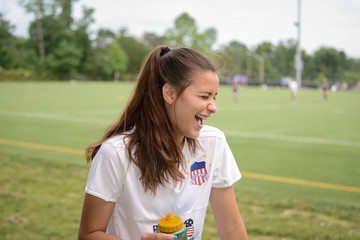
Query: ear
{"points": [[169, 93]]}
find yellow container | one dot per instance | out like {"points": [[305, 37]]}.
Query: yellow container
{"points": [[172, 225]]}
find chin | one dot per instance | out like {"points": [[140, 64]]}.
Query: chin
{"points": [[193, 134]]}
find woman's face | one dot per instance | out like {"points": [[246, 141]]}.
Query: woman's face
{"points": [[196, 103]]}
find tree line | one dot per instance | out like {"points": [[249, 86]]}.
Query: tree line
{"points": [[60, 47]]}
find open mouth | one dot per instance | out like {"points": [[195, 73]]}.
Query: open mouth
{"points": [[199, 120]]}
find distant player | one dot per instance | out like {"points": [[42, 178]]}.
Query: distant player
{"points": [[235, 87], [293, 86], [325, 88]]}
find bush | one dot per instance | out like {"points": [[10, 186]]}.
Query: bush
{"points": [[16, 75], [351, 77], [21, 74]]}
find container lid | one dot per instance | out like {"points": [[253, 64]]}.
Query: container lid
{"points": [[170, 223]]}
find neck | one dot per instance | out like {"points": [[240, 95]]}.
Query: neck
{"points": [[181, 142]]}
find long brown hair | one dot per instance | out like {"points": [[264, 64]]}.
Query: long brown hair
{"points": [[152, 146]]}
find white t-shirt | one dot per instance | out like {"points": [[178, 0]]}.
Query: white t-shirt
{"points": [[111, 178]]}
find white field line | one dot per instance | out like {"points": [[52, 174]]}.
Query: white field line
{"points": [[293, 138], [88, 112], [58, 117], [54, 117], [248, 108]]}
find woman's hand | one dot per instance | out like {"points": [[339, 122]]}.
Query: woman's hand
{"points": [[157, 236]]}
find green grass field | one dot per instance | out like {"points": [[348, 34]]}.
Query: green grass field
{"points": [[300, 162]]}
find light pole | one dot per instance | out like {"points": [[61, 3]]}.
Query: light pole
{"points": [[298, 60]]}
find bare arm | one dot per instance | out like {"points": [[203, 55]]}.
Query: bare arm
{"points": [[228, 220], [95, 217]]}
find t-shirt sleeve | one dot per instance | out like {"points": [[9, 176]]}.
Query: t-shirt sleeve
{"points": [[226, 171], [106, 174]]}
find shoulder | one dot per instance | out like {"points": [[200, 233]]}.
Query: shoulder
{"points": [[112, 155], [117, 141], [210, 137], [114, 146], [120, 141], [210, 132]]}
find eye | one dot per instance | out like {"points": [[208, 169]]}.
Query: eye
{"points": [[204, 97], [215, 96]]}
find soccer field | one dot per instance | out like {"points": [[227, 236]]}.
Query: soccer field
{"points": [[300, 162]]}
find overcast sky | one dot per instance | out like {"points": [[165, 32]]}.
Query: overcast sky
{"points": [[324, 23]]}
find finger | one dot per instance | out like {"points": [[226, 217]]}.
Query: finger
{"points": [[157, 236]]}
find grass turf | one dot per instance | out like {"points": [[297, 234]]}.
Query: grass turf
{"points": [[315, 140]]}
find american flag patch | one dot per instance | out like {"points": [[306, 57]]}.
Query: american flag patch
{"points": [[190, 231], [189, 227], [198, 174]]}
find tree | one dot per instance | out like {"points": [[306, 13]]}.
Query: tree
{"points": [[66, 12], [26, 56], [38, 8], [117, 58], [7, 48], [82, 39], [330, 62], [309, 70], [134, 49], [65, 59], [99, 66], [57, 28], [352, 72], [152, 40], [53, 33], [266, 51], [235, 56], [185, 34], [203, 42], [283, 59]]}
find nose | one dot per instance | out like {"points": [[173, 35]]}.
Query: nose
{"points": [[212, 107]]}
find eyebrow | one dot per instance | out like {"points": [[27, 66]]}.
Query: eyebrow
{"points": [[209, 93]]}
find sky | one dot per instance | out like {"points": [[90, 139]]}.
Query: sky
{"points": [[324, 23]]}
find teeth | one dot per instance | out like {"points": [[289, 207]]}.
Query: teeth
{"points": [[199, 119], [202, 117]]}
